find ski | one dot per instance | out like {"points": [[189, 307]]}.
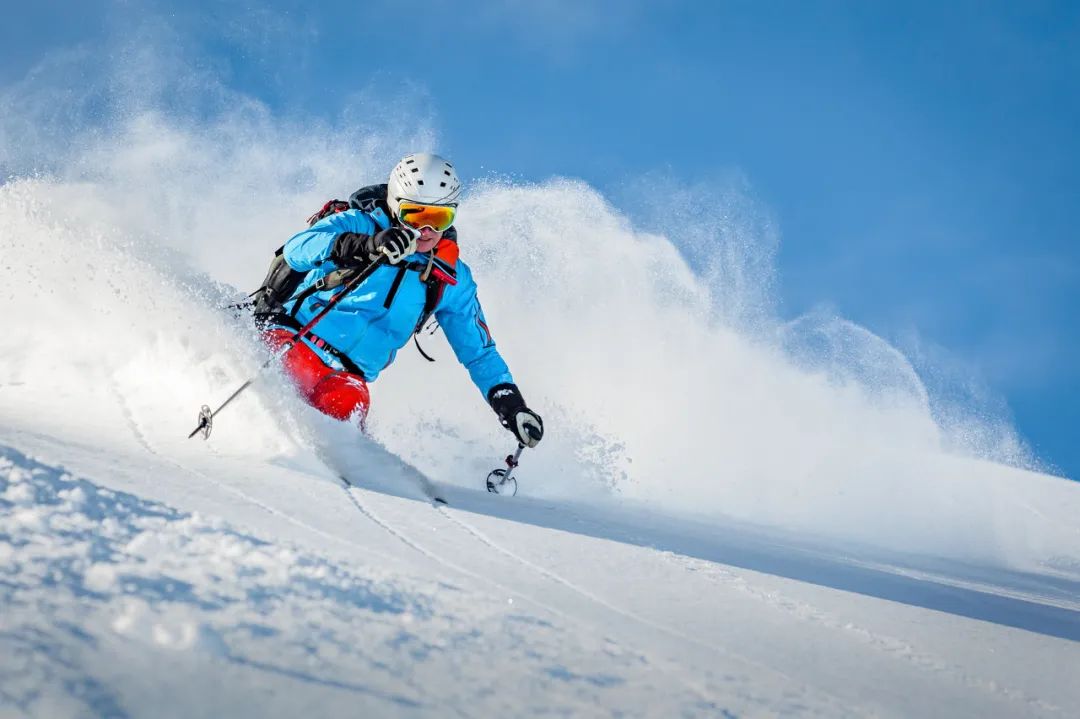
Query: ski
{"points": [[499, 481], [425, 485]]}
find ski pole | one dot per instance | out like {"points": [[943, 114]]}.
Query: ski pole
{"points": [[512, 462], [499, 478], [206, 416]]}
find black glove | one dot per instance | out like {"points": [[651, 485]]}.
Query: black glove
{"points": [[509, 405], [396, 243], [352, 249]]}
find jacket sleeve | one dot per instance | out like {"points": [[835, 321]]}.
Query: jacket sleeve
{"points": [[311, 248], [466, 329]]}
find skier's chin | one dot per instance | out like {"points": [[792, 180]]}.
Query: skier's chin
{"points": [[426, 244]]}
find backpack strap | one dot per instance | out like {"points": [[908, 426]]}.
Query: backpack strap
{"points": [[440, 272], [395, 285], [327, 282]]}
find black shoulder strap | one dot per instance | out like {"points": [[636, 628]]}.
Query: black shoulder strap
{"points": [[435, 289], [431, 301]]}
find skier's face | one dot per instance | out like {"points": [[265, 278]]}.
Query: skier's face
{"points": [[428, 239]]}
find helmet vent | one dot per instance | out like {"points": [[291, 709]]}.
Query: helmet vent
{"points": [[424, 178]]}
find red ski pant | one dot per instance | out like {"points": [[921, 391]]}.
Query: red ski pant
{"points": [[340, 394]]}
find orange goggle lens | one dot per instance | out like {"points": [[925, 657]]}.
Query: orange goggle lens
{"points": [[437, 217]]}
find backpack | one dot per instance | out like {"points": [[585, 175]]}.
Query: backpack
{"points": [[282, 282]]}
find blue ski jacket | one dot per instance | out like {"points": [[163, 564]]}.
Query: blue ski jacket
{"points": [[378, 318]]}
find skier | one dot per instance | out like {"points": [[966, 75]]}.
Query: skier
{"points": [[409, 231]]}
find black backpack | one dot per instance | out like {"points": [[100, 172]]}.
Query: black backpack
{"points": [[281, 281]]}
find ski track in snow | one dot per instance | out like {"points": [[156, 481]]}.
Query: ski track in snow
{"points": [[370, 514], [142, 440], [554, 577], [887, 645], [129, 419], [155, 624], [804, 611], [892, 646], [706, 696]]}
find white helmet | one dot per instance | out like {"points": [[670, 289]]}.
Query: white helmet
{"points": [[424, 178]]}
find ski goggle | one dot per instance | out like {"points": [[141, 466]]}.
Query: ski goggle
{"points": [[437, 217]]}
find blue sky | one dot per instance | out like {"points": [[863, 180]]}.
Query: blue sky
{"points": [[920, 160]]}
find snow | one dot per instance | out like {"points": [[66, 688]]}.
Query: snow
{"points": [[731, 515], [119, 604]]}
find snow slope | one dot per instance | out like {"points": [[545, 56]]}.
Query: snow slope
{"points": [[731, 514], [140, 581]]}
